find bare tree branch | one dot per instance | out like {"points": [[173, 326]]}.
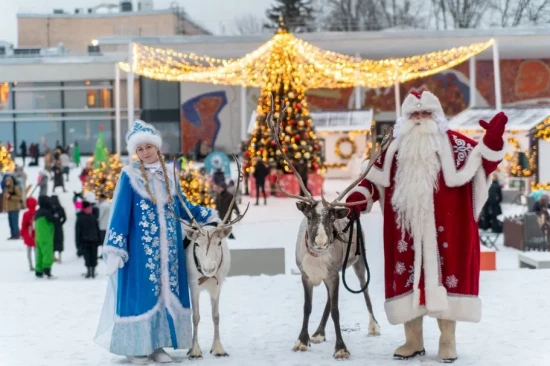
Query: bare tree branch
{"points": [[248, 24]]}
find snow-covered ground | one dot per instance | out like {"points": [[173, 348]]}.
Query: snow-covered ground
{"points": [[52, 322]]}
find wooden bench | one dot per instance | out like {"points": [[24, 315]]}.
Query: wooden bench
{"points": [[534, 260]]}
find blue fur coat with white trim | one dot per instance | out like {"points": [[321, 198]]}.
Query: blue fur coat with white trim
{"points": [[152, 293]]}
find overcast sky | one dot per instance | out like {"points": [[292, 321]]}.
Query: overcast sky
{"points": [[215, 15]]}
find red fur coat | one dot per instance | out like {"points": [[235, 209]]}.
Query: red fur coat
{"points": [[439, 276]]}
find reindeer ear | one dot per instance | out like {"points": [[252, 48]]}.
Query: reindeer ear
{"points": [[192, 234], [224, 232], [340, 213], [302, 206]]}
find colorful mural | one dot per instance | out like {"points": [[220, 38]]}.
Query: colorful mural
{"points": [[522, 82], [200, 119]]}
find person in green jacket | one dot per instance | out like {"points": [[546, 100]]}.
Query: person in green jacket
{"points": [[44, 232], [76, 154]]}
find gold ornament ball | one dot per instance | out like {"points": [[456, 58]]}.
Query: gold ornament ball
{"points": [[307, 155], [287, 138], [303, 143], [278, 152], [291, 95], [288, 129], [298, 155], [301, 123]]}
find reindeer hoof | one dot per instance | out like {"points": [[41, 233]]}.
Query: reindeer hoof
{"points": [[374, 329], [299, 346], [319, 338], [194, 354], [342, 354]]}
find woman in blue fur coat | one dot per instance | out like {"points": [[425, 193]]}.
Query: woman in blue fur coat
{"points": [[147, 305]]}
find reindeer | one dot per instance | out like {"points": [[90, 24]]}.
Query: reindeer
{"points": [[208, 261], [320, 252]]}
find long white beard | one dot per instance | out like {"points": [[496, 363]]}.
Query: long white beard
{"points": [[417, 175]]}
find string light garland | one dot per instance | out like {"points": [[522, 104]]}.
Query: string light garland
{"points": [[196, 187], [6, 162], [318, 68], [338, 147], [103, 179]]}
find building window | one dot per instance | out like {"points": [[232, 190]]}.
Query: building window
{"points": [[157, 94], [43, 129], [123, 94], [6, 132], [37, 99], [86, 133], [4, 96]]}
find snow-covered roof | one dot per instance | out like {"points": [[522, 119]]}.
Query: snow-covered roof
{"points": [[352, 120], [519, 118]]}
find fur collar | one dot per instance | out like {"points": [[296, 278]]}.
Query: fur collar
{"points": [[138, 183]]}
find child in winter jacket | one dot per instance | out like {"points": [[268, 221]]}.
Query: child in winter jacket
{"points": [[44, 231], [87, 237], [27, 229]]}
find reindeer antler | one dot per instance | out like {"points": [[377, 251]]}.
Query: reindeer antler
{"points": [[386, 140], [276, 133], [228, 213], [182, 200]]}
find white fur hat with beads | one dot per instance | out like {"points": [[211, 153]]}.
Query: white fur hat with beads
{"points": [[140, 133]]}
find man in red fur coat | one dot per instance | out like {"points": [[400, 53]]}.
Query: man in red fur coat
{"points": [[431, 183]]}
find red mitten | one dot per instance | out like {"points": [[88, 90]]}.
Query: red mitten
{"points": [[494, 131], [356, 197]]}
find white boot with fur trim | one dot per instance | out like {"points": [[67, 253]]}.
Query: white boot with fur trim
{"points": [[414, 341], [447, 342]]}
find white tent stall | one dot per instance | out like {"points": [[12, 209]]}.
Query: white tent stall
{"points": [[521, 121]]}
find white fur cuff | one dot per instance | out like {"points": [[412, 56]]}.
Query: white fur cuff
{"points": [[462, 309], [492, 155], [436, 299], [400, 310]]}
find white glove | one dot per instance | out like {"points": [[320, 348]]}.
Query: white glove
{"points": [[114, 262]]}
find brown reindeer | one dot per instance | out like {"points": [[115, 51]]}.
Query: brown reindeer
{"points": [[320, 251]]}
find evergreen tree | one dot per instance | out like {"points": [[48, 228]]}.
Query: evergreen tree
{"points": [[297, 14], [298, 137]]}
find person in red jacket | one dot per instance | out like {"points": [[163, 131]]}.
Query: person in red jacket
{"points": [[27, 229], [432, 183]]}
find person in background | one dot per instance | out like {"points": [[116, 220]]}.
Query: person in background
{"points": [[43, 178], [44, 234], [104, 207], [21, 180], [87, 237], [58, 176], [48, 159], [65, 164], [23, 148], [218, 177], [60, 219], [542, 205], [27, 229], [76, 154], [223, 201], [491, 210], [260, 173], [12, 205]]}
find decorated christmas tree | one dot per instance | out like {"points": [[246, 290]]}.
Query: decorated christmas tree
{"points": [[6, 162], [104, 170], [297, 137], [196, 187]]}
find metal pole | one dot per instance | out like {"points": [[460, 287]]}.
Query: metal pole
{"points": [[130, 85], [358, 87], [496, 67], [243, 113], [117, 109], [473, 90], [397, 100]]}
